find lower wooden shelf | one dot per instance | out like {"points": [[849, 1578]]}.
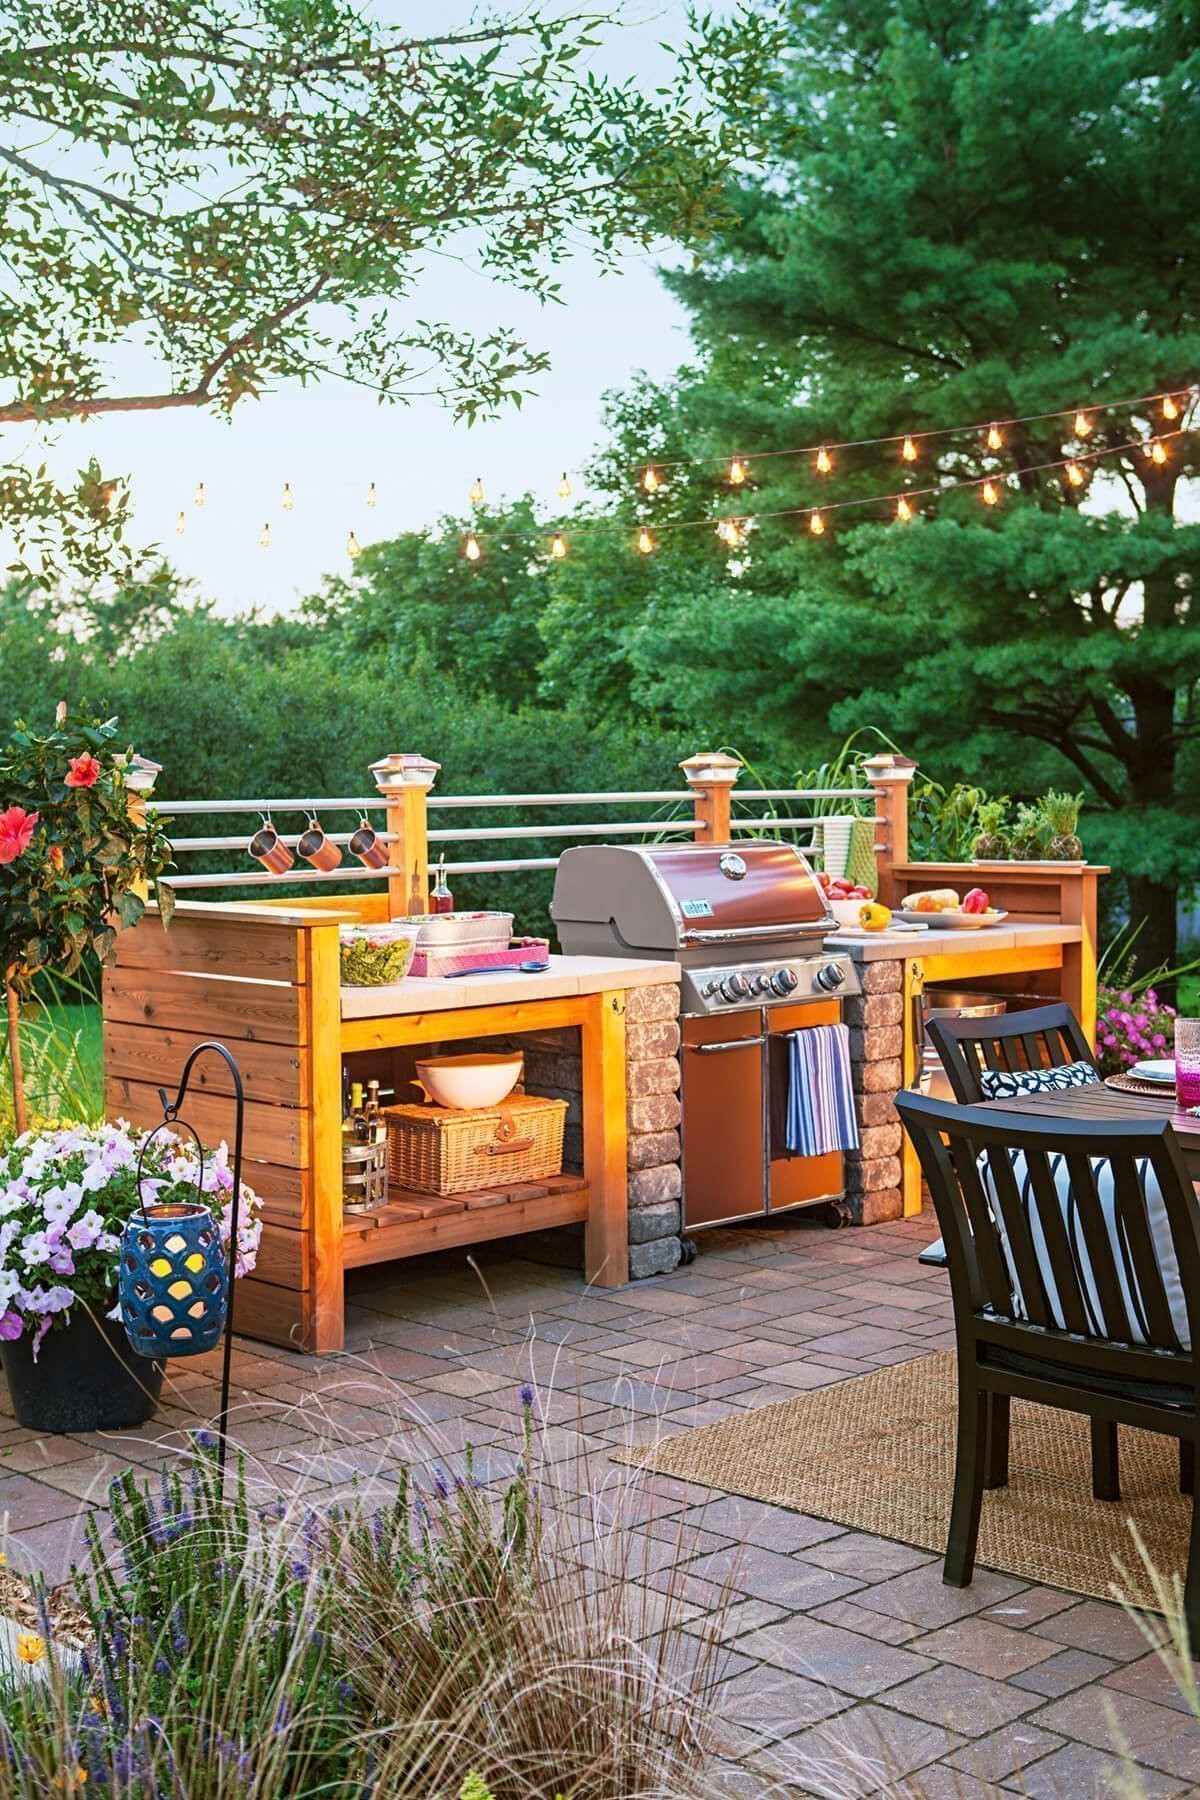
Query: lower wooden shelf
{"points": [[412, 1224]]}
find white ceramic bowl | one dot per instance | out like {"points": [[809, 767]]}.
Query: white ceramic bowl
{"points": [[846, 912], [467, 1082]]}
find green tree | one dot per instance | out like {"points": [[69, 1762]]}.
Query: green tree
{"points": [[248, 194], [971, 210]]}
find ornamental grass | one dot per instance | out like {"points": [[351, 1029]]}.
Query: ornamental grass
{"points": [[458, 1639]]}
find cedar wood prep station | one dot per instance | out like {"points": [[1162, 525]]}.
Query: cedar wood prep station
{"points": [[263, 977]]}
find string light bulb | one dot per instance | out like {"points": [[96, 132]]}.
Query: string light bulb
{"points": [[995, 437], [737, 472], [651, 481], [564, 487], [904, 511], [824, 461], [353, 547], [112, 496], [372, 496], [1083, 424], [908, 450], [471, 550], [1075, 474], [1170, 410], [181, 523], [285, 499], [730, 532], [476, 494], [816, 524], [264, 536], [645, 542], [990, 494], [198, 496], [558, 545], [1157, 453]]}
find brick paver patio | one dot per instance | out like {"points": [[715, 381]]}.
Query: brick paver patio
{"points": [[850, 1669]]}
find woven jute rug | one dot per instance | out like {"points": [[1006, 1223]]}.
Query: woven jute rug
{"points": [[877, 1453]]}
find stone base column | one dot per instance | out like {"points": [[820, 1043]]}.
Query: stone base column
{"points": [[655, 1177], [876, 1021]]}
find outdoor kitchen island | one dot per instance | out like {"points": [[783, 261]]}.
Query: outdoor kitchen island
{"points": [[265, 981]]}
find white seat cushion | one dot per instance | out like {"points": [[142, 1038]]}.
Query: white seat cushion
{"points": [[1160, 1236]]}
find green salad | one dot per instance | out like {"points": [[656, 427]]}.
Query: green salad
{"points": [[368, 961]]}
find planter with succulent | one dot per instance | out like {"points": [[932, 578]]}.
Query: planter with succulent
{"points": [[1061, 815], [990, 843], [78, 853], [1029, 837], [65, 1196]]}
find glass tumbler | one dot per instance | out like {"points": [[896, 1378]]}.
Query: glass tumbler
{"points": [[1187, 1062]]}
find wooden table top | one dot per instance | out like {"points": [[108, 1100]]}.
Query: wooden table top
{"points": [[1111, 1105]]}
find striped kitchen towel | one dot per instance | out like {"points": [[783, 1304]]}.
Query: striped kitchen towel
{"points": [[820, 1093]]}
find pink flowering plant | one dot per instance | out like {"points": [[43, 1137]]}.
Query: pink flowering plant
{"points": [[64, 1198], [1131, 1026]]}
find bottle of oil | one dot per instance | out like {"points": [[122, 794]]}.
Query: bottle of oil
{"points": [[441, 900]]}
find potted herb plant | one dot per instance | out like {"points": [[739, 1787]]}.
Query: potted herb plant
{"points": [[78, 854], [65, 1196]]}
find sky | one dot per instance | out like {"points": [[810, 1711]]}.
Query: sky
{"points": [[330, 442]]}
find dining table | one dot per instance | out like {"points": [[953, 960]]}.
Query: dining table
{"points": [[1112, 1106], [1108, 1106]]}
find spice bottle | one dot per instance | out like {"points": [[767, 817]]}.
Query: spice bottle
{"points": [[441, 900]]}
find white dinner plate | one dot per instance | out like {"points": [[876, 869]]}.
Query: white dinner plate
{"points": [[1157, 1068], [954, 919]]}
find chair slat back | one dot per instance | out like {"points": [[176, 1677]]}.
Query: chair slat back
{"points": [[1044, 1037], [1071, 1225]]}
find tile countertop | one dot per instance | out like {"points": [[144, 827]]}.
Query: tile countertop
{"points": [[1011, 935], [566, 977]]}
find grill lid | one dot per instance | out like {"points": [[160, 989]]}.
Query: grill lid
{"points": [[665, 897]]}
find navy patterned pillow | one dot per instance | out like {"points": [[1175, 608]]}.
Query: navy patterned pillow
{"points": [[1002, 1084]]}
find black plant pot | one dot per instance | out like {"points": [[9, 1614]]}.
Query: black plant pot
{"points": [[86, 1378]]}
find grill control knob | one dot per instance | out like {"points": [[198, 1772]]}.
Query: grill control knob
{"points": [[785, 981], [735, 987], [831, 977]]}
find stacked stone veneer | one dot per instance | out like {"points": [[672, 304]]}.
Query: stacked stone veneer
{"points": [[876, 1021], [554, 1067]]}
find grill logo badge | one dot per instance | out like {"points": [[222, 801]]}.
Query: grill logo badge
{"points": [[696, 909]]}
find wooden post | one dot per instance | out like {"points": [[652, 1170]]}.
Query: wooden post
{"points": [[323, 1001], [712, 779], [911, 992], [890, 776], [1077, 904], [404, 779], [606, 1234]]}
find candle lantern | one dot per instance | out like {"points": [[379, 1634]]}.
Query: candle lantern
{"points": [[174, 1282], [176, 1276]]}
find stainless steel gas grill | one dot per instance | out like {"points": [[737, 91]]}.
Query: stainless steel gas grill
{"points": [[748, 925]]}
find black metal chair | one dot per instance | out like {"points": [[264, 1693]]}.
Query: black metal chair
{"points": [[1044, 1037], [1068, 1231]]}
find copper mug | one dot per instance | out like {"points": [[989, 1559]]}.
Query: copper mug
{"points": [[367, 846], [316, 848], [268, 848]]}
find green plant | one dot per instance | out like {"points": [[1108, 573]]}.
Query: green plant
{"points": [[941, 820], [1061, 815], [75, 858], [1030, 838], [990, 844]]}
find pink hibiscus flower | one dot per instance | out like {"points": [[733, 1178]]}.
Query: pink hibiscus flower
{"points": [[84, 771], [16, 832]]}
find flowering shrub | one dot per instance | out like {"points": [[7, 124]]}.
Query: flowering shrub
{"points": [[64, 1198], [1131, 1027]]}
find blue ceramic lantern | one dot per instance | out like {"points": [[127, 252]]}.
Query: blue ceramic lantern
{"points": [[174, 1281]]}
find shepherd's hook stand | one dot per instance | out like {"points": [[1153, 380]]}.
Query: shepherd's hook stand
{"points": [[171, 1112]]}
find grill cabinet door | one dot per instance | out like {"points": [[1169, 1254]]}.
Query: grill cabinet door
{"points": [[723, 1160]]}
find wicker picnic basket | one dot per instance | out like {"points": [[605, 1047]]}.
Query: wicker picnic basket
{"points": [[441, 1150]]}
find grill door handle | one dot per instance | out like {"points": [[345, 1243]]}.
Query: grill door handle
{"points": [[729, 1044]]}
